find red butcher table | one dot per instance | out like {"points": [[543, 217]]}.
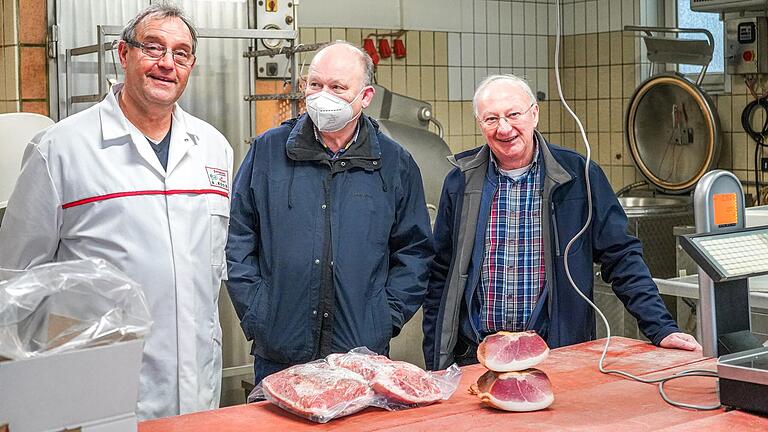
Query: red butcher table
{"points": [[585, 399]]}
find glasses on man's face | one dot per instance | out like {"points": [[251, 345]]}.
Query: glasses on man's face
{"points": [[492, 121], [157, 51]]}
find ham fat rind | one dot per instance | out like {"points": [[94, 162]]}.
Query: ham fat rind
{"points": [[509, 351]]}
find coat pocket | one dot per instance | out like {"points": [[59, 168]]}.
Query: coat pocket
{"points": [[218, 209], [381, 317], [255, 317]]}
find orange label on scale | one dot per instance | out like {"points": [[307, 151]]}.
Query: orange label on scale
{"points": [[725, 209]]}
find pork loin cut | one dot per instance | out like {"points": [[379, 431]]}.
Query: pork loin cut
{"points": [[509, 351], [318, 391], [407, 384], [528, 390], [399, 382]]}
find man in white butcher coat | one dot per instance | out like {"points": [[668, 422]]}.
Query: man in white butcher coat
{"points": [[140, 183]]}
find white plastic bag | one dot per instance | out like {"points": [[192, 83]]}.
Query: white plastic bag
{"points": [[316, 391], [70, 305]]}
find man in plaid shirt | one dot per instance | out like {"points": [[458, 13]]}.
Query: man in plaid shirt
{"points": [[507, 211]]}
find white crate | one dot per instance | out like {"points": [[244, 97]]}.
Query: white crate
{"points": [[94, 389]]}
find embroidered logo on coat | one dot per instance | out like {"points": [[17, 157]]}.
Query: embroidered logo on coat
{"points": [[218, 178]]}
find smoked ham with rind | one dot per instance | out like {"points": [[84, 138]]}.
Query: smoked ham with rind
{"points": [[528, 390], [318, 391], [512, 351]]}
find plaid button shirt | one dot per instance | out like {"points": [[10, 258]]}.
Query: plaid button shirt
{"points": [[513, 265]]}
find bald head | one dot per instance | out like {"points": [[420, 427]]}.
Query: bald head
{"points": [[486, 85], [349, 57]]}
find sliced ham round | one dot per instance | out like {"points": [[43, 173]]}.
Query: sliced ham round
{"points": [[318, 391], [528, 390], [512, 351]]}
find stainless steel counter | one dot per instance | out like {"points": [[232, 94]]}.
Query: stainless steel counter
{"points": [[688, 286]]}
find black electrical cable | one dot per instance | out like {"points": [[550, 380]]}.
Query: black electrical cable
{"points": [[757, 136]]}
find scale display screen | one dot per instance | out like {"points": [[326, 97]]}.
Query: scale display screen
{"points": [[730, 255]]}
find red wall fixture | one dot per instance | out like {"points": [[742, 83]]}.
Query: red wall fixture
{"points": [[384, 49], [370, 48], [399, 48]]}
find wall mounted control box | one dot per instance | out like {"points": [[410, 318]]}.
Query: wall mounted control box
{"points": [[746, 45]]}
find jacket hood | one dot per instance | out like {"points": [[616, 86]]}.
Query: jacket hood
{"points": [[302, 145]]}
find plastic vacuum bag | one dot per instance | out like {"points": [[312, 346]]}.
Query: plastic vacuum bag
{"points": [[342, 384], [398, 384], [58, 307], [316, 391]]}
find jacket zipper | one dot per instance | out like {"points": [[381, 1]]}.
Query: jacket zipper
{"points": [[554, 229], [479, 275], [327, 292]]}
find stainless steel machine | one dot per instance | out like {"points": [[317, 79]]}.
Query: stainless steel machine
{"points": [[724, 323], [728, 254], [673, 133], [672, 127], [407, 121]]}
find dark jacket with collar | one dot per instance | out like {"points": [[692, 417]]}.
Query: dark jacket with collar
{"points": [[561, 316], [326, 255]]}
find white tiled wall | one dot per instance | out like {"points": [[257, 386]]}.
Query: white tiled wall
{"points": [[511, 35], [501, 36], [600, 67]]}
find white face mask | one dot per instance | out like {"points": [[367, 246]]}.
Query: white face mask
{"points": [[329, 112]]}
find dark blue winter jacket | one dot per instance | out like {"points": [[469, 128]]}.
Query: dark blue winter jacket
{"points": [[325, 254], [561, 316]]}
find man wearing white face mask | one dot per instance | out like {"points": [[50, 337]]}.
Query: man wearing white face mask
{"points": [[329, 240]]}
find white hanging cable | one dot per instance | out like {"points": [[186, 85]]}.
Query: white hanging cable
{"points": [[660, 381]]}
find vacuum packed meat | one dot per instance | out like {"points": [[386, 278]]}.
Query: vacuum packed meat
{"points": [[318, 391], [399, 382]]}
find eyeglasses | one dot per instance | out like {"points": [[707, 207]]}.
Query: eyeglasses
{"points": [[492, 121], [157, 51]]}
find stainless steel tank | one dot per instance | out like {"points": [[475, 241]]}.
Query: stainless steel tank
{"points": [[652, 220], [673, 133]]}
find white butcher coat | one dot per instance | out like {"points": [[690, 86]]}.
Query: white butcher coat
{"points": [[91, 186]]}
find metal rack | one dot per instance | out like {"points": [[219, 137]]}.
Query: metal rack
{"points": [[101, 47], [681, 51]]}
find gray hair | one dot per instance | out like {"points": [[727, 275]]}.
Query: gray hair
{"points": [[520, 82], [364, 58], [159, 11]]}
